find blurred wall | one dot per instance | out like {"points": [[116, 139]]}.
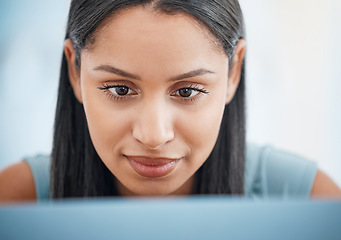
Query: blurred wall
{"points": [[293, 72], [32, 34], [293, 78]]}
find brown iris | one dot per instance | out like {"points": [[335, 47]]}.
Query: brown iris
{"points": [[185, 92], [122, 90]]}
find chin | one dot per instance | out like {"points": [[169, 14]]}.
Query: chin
{"points": [[154, 188], [153, 192]]}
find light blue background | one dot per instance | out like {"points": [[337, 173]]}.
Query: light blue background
{"points": [[32, 34], [293, 76]]}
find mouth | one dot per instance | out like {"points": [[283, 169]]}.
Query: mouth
{"points": [[152, 167]]}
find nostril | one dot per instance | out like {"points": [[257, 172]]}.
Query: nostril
{"points": [[153, 143], [154, 148], [153, 128], [151, 139]]}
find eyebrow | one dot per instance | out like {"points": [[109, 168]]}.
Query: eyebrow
{"points": [[111, 69], [120, 72]]}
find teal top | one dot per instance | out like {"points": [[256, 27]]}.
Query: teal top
{"points": [[268, 173]]}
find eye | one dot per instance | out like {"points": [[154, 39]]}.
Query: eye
{"points": [[189, 92], [118, 92], [121, 90]]}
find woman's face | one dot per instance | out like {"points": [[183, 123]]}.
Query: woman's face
{"points": [[154, 87]]}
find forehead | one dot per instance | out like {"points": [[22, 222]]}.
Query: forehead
{"points": [[142, 22]]}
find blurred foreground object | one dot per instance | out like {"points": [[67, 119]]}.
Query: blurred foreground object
{"points": [[173, 218]]}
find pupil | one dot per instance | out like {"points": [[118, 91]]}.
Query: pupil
{"points": [[122, 90], [185, 92]]}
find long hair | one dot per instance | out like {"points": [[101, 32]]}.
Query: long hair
{"points": [[77, 170]]}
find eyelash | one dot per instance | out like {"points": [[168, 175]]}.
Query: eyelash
{"points": [[195, 88], [106, 88]]}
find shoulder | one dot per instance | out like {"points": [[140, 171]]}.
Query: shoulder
{"points": [[270, 172], [17, 183], [27, 180], [325, 187], [40, 168], [273, 172]]}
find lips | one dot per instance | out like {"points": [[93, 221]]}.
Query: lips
{"points": [[152, 167]]}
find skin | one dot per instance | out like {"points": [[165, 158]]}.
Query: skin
{"points": [[154, 119]]}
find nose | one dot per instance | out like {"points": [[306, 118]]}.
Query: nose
{"points": [[153, 126]]}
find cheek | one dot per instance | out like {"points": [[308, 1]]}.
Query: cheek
{"points": [[201, 130], [107, 126]]}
